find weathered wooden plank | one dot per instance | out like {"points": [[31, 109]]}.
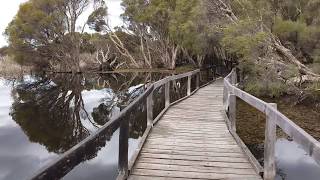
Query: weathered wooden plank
{"points": [[197, 142], [192, 153], [203, 130], [139, 177], [213, 132], [195, 123], [194, 158], [191, 119], [193, 168], [181, 134], [196, 126], [193, 138], [193, 145], [203, 149], [209, 123], [199, 116], [239, 165], [180, 174]]}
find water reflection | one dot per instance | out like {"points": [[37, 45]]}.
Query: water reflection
{"points": [[293, 163], [44, 116]]}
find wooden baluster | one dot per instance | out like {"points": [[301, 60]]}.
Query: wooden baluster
{"points": [[234, 77], [167, 93], [225, 96], [123, 148], [232, 111], [189, 86], [269, 145], [198, 80], [150, 109]]}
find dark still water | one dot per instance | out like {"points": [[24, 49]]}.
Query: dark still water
{"points": [[292, 162], [42, 117]]}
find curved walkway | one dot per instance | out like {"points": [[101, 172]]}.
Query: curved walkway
{"points": [[192, 141]]}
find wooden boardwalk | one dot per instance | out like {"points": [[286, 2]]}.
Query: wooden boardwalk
{"points": [[192, 141]]}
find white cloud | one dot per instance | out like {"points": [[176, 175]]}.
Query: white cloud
{"points": [[114, 12], [9, 9]]}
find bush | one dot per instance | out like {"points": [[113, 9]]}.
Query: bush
{"points": [[271, 89], [8, 67]]}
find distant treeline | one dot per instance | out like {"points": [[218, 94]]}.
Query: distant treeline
{"points": [[274, 44]]}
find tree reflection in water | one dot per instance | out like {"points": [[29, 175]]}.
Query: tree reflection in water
{"points": [[51, 110]]}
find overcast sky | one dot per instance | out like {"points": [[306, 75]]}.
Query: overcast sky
{"points": [[9, 8]]}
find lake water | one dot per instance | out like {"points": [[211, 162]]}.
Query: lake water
{"points": [[43, 116], [292, 162]]}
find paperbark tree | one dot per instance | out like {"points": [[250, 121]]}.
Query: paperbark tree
{"points": [[45, 31]]}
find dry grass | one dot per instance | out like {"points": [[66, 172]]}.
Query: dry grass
{"points": [[10, 68]]}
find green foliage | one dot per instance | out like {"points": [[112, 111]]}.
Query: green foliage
{"points": [[185, 26], [181, 22], [44, 31], [243, 41], [96, 20], [285, 28], [314, 89], [266, 88], [37, 23]]}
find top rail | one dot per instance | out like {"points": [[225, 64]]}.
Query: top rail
{"points": [[67, 161], [274, 119]]}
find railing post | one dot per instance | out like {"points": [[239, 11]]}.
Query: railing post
{"points": [[269, 145], [150, 109], [167, 93], [198, 80], [232, 111], [123, 148], [189, 86], [234, 77]]}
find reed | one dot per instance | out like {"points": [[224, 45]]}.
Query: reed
{"points": [[10, 68]]}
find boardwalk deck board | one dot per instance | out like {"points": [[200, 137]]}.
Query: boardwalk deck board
{"points": [[192, 141]]}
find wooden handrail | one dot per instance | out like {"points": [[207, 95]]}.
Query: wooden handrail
{"points": [[274, 119], [61, 166]]}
